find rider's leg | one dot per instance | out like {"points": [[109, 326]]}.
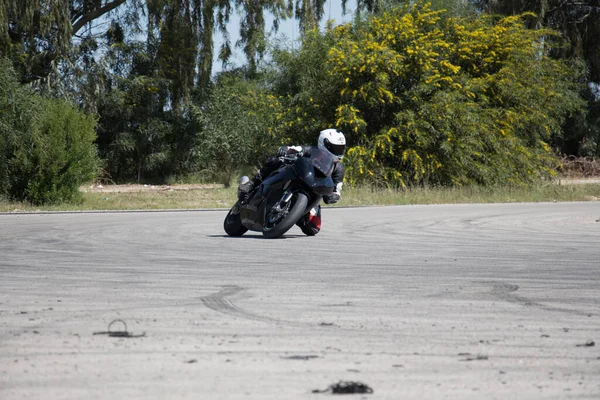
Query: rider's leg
{"points": [[267, 169]]}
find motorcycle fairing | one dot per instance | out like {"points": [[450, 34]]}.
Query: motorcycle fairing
{"points": [[322, 162], [302, 173], [268, 193]]}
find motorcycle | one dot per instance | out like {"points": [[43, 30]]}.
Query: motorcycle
{"points": [[284, 197]]}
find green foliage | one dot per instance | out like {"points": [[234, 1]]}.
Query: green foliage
{"points": [[46, 146], [33, 34], [135, 134], [17, 110], [424, 96], [183, 32], [582, 131], [36, 35], [304, 89], [238, 127], [142, 135], [579, 26], [427, 98], [58, 156], [449, 101]]}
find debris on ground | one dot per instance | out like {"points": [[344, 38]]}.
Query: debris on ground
{"points": [[478, 357], [326, 324], [346, 387], [589, 343], [300, 357], [124, 333]]}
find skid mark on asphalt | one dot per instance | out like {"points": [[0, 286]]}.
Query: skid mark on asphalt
{"points": [[220, 302], [501, 291], [506, 292]]}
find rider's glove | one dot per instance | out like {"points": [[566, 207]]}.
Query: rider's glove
{"points": [[282, 151], [295, 150], [331, 198], [289, 150]]}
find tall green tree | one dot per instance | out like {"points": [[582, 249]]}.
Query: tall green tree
{"points": [[428, 99], [184, 33], [239, 126], [35, 34], [579, 24], [136, 131]]}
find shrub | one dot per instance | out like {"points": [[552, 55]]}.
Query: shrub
{"points": [[46, 146], [238, 128], [59, 155]]}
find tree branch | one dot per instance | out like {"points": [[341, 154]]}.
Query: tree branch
{"points": [[92, 15]]}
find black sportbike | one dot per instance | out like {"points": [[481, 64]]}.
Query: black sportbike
{"points": [[284, 197]]}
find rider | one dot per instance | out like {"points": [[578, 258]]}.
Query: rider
{"points": [[330, 140]]}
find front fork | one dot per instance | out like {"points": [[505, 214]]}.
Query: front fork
{"points": [[281, 207], [287, 196]]}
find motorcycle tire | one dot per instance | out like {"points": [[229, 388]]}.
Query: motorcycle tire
{"points": [[297, 210], [233, 223]]}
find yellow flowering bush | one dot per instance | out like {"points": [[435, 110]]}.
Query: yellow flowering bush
{"points": [[429, 99]]}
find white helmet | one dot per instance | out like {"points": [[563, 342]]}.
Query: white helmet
{"points": [[333, 141]]}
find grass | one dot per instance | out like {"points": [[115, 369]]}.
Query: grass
{"points": [[361, 196], [474, 194]]}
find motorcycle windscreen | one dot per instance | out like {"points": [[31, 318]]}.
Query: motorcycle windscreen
{"points": [[322, 161], [323, 186]]}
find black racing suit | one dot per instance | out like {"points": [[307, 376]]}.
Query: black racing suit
{"points": [[311, 222]]}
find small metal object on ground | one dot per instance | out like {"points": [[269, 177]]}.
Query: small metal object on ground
{"points": [[119, 333]]}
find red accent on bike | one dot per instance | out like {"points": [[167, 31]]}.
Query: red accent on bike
{"points": [[315, 221]]}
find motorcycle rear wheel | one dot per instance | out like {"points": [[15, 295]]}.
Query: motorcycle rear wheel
{"points": [[233, 222], [298, 205]]}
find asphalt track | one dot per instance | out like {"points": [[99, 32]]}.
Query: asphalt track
{"points": [[494, 301]]}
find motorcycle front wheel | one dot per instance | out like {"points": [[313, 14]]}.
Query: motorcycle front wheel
{"points": [[233, 222], [279, 222]]}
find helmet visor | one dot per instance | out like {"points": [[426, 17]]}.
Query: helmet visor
{"points": [[337, 149]]}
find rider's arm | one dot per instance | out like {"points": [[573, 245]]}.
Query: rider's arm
{"points": [[338, 179], [338, 176]]}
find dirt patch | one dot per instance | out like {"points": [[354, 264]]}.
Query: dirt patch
{"points": [[577, 181], [580, 167], [146, 188], [134, 188]]}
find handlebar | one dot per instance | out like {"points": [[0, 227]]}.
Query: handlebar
{"points": [[290, 157]]}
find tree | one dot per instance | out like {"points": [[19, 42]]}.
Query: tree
{"points": [[579, 24], [36, 34], [429, 99], [454, 101], [239, 127], [135, 131]]}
